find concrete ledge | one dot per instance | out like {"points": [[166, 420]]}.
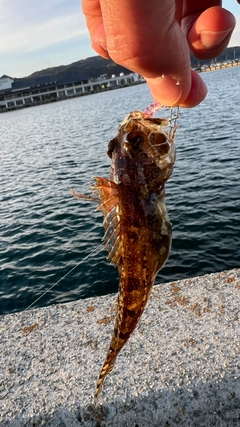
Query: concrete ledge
{"points": [[180, 368]]}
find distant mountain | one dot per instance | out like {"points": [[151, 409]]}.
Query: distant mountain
{"points": [[84, 69], [93, 67]]}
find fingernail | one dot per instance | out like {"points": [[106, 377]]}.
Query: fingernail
{"points": [[165, 89], [211, 39]]}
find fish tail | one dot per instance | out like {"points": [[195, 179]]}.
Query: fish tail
{"points": [[131, 303], [106, 369]]}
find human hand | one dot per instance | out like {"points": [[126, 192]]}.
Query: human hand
{"points": [[154, 38]]}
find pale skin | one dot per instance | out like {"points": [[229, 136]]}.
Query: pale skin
{"points": [[154, 38]]}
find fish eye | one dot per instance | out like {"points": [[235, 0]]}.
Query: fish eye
{"points": [[111, 147], [133, 139]]}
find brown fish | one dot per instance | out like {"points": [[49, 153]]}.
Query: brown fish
{"points": [[137, 228]]}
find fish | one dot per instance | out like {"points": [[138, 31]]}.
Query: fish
{"points": [[138, 231]]}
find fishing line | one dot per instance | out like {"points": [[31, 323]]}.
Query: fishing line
{"points": [[63, 277], [95, 250]]}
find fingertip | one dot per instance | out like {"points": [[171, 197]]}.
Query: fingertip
{"points": [[98, 36], [167, 91], [197, 93], [97, 46]]}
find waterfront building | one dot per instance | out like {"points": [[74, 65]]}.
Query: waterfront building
{"points": [[27, 92]]}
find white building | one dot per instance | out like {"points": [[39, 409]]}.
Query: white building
{"points": [[31, 91], [6, 82]]}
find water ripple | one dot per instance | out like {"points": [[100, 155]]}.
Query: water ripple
{"points": [[45, 232]]}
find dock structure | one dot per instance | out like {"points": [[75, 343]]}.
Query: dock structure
{"points": [[180, 368], [32, 92]]}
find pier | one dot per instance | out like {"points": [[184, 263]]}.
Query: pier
{"points": [[181, 367]]}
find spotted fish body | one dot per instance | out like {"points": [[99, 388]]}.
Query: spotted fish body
{"points": [[137, 229]]}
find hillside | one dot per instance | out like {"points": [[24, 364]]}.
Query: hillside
{"points": [[95, 66], [84, 69]]}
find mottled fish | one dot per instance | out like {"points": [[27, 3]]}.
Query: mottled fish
{"points": [[137, 228]]}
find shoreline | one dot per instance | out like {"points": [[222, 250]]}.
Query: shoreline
{"points": [[181, 367], [71, 91]]}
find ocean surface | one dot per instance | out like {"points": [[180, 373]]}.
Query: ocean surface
{"points": [[45, 232]]}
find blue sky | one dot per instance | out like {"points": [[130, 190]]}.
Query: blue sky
{"points": [[38, 34]]}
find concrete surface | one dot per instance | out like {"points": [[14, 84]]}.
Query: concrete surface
{"points": [[180, 368]]}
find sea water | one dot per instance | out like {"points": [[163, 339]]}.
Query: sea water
{"points": [[45, 232]]}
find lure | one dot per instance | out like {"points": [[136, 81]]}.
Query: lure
{"points": [[137, 228]]}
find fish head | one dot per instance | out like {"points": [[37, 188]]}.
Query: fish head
{"points": [[143, 151]]}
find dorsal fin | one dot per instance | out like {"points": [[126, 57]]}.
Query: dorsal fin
{"points": [[109, 205], [108, 192]]}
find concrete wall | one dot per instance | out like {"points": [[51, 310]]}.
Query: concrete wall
{"points": [[181, 367]]}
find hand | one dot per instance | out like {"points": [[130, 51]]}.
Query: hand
{"points": [[154, 38]]}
